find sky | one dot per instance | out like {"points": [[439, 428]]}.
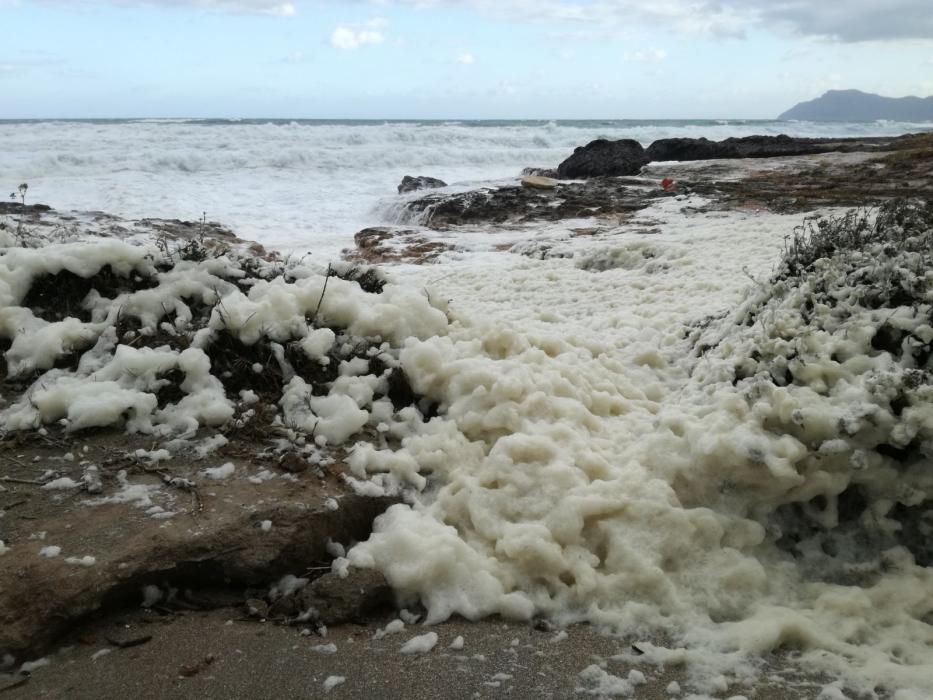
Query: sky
{"points": [[453, 59]]}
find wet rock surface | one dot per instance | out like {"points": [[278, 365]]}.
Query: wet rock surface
{"points": [[422, 182], [386, 244], [540, 172], [800, 184], [37, 224], [359, 595], [686, 149], [796, 175], [223, 538], [603, 158], [594, 198], [538, 182]]}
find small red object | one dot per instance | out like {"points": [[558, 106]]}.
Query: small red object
{"points": [[667, 184]]}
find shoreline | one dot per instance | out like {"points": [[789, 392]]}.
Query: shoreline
{"points": [[785, 186]]}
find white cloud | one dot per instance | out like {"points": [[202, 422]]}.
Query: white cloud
{"points": [[646, 56], [842, 20], [612, 16], [347, 38], [275, 8], [467, 59], [285, 9]]}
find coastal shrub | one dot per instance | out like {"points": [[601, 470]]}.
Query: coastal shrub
{"points": [[832, 359], [899, 225], [20, 193], [162, 340]]}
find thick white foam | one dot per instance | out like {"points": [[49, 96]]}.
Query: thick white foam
{"points": [[586, 465]]}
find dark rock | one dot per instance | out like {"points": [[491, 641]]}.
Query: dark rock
{"points": [[289, 606], [350, 599], [602, 158], [598, 197], [188, 230], [293, 463], [815, 183], [257, 608], [7, 208], [746, 147], [412, 184], [538, 182], [382, 244], [690, 149], [540, 172], [191, 670], [214, 598], [370, 238]]}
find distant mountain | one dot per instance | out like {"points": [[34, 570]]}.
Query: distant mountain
{"points": [[858, 106]]}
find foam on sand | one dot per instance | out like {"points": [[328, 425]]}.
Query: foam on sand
{"points": [[638, 435], [597, 460]]}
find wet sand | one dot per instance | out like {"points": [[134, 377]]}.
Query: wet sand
{"points": [[253, 659]]}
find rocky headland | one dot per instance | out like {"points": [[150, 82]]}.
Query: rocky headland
{"points": [[855, 105]]}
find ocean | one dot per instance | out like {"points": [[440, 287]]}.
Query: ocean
{"points": [[299, 185]]}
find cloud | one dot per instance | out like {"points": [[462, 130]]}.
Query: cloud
{"points": [[348, 39], [646, 56], [609, 17], [841, 20], [466, 59], [282, 9], [274, 8], [851, 20]]}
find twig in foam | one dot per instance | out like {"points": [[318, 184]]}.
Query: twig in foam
{"points": [[320, 301]]}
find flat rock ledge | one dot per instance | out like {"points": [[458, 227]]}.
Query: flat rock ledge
{"points": [[518, 204], [239, 535], [864, 173]]}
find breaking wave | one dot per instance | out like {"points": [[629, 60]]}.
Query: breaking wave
{"points": [[44, 149]]}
